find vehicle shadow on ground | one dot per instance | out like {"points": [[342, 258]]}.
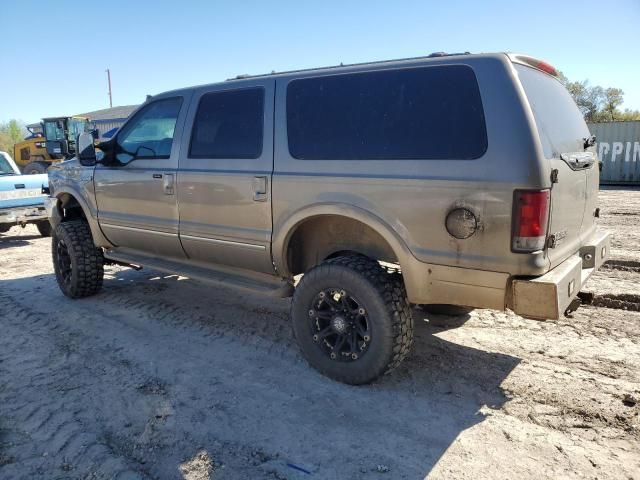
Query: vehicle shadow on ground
{"points": [[8, 240], [236, 384]]}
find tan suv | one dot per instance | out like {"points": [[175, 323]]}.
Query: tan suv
{"points": [[457, 181]]}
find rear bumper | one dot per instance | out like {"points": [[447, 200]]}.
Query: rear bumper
{"points": [[22, 215], [548, 296]]}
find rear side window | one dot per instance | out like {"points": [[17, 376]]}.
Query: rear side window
{"points": [[416, 113], [229, 125], [560, 124]]}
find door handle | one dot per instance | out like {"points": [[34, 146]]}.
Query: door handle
{"points": [[259, 189], [168, 183]]}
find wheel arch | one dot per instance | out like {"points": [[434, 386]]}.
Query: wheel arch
{"points": [[313, 234], [70, 205]]}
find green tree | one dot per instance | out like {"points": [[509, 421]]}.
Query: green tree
{"points": [[629, 115], [614, 97], [6, 144], [16, 130], [596, 103], [589, 99], [11, 133]]}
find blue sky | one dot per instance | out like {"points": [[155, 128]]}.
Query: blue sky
{"points": [[54, 53]]}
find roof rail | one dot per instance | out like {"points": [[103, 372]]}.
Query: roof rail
{"points": [[341, 65], [445, 54]]}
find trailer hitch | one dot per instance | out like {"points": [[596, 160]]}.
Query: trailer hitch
{"points": [[573, 306], [583, 298]]}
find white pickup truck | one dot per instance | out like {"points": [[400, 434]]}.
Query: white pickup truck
{"points": [[22, 197]]}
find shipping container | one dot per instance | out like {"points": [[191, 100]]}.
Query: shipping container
{"points": [[618, 147]]}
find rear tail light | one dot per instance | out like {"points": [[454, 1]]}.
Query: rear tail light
{"points": [[530, 220], [545, 67]]}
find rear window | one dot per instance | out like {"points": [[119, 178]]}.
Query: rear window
{"points": [[417, 113], [229, 124], [559, 122]]}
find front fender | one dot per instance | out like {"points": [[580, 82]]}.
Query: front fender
{"points": [[62, 197]]}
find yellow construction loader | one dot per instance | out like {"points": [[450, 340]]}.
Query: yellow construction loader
{"points": [[57, 142]]}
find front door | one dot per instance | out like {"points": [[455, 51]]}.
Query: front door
{"points": [[136, 198], [224, 185]]}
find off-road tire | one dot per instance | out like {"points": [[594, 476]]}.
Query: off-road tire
{"points": [[44, 228], [381, 293], [444, 309], [86, 262]]}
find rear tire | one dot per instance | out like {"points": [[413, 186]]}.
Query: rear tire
{"points": [[78, 263], [35, 168], [44, 228], [351, 319]]}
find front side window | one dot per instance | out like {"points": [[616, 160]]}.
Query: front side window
{"points": [[229, 125], [412, 113], [150, 133]]}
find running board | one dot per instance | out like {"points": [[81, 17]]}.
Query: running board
{"points": [[261, 283]]}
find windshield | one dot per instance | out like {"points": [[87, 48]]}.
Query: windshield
{"points": [[5, 167], [54, 129], [560, 124]]}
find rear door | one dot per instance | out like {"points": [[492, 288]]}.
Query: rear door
{"points": [[224, 183], [563, 132]]}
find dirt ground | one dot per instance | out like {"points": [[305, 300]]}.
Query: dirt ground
{"points": [[162, 377]]}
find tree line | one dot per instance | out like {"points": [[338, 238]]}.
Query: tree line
{"points": [[11, 133], [599, 104]]}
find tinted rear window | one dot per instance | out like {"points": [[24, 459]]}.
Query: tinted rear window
{"points": [[229, 125], [560, 124], [416, 113]]}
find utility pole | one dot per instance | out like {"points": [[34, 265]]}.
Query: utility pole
{"points": [[109, 80]]}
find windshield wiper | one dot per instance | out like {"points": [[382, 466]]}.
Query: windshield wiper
{"points": [[8, 173]]}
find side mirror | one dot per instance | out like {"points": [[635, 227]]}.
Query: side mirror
{"points": [[86, 150]]}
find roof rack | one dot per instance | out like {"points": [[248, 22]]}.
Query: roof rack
{"points": [[376, 62], [445, 54]]}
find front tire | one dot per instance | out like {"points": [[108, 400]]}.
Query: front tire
{"points": [[352, 319], [78, 263]]}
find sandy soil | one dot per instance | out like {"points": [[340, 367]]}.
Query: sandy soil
{"points": [[162, 377]]}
